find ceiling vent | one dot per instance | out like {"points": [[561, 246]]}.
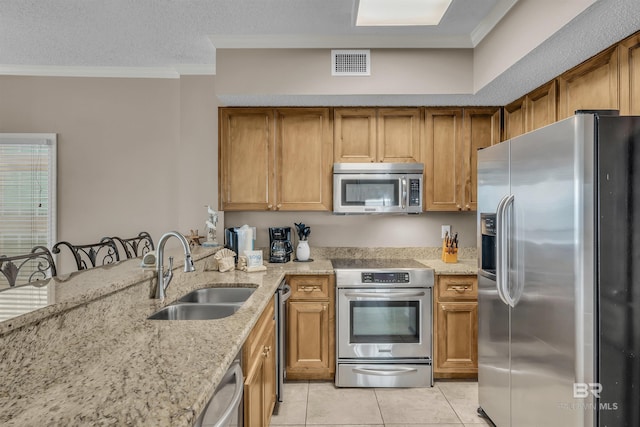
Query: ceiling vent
{"points": [[351, 62]]}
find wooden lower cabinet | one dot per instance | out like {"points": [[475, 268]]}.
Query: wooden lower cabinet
{"points": [[455, 327], [259, 368], [311, 328]]}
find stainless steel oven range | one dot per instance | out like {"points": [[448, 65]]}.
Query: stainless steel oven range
{"points": [[384, 323]]}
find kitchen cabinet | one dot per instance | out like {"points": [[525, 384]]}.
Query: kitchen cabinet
{"points": [[259, 365], [630, 76], [377, 135], [453, 137], [455, 327], [310, 333], [246, 158], [592, 85], [276, 159], [532, 111]]}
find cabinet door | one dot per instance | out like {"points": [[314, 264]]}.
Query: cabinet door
{"points": [[541, 106], [515, 118], [592, 85], [304, 159], [254, 398], [481, 129], [246, 144], [444, 178], [398, 135], [630, 76], [456, 342], [269, 376], [354, 133], [307, 339]]}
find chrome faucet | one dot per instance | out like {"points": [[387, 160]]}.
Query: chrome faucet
{"points": [[165, 278]]}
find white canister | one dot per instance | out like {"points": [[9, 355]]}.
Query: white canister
{"points": [[303, 251]]}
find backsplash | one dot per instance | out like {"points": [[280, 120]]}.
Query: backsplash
{"points": [[361, 231]]}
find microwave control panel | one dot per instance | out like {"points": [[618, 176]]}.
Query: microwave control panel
{"points": [[414, 192]]}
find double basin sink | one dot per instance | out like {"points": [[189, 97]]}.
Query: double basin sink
{"points": [[205, 304]]}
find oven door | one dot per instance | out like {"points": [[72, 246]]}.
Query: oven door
{"points": [[384, 323]]}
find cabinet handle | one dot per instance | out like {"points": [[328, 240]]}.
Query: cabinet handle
{"points": [[468, 207], [459, 289], [279, 205], [310, 288], [269, 206]]}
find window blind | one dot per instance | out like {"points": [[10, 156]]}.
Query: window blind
{"points": [[27, 192]]}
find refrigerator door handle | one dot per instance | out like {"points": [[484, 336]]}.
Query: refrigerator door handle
{"points": [[506, 241], [500, 249]]}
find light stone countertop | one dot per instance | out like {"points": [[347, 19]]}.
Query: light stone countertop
{"points": [[103, 363], [91, 357], [462, 267]]}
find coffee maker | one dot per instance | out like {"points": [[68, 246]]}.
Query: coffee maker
{"points": [[280, 247]]}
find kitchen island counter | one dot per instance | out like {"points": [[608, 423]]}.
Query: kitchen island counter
{"points": [[95, 358]]}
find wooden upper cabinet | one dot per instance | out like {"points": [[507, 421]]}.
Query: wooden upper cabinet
{"points": [[541, 106], [304, 159], [354, 135], [515, 115], [592, 85], [630, 76], [444, 177], [377, 135], [453, 138], [275, 159], [398, 135], [480, 129], [246, 144]]}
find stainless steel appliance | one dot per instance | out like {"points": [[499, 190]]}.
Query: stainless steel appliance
{"points": [[225, 407], [559, 277], [360, 188], [282, 295], [280, 247], [383, 323]]}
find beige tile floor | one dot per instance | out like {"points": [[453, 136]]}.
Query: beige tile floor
{"points": [[447, 404]]}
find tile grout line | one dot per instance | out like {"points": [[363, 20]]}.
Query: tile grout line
{"points": [[450, 405]]}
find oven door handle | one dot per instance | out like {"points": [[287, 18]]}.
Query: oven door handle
{"points": [[384, 295], [385, 372]]}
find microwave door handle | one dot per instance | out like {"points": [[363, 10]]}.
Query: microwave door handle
{"points": [[404, 193]]}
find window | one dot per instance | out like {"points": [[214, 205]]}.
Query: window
{"points": [[27, 192]]}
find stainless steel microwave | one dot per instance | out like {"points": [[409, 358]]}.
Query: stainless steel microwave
{"points": [[365, 188]]}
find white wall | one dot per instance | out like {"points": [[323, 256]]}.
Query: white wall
{"points": [[308, 72]]}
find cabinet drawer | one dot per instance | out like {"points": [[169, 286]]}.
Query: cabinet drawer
{"points": [[309, 287], [457, 288]]}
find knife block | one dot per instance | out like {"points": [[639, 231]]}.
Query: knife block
{"points": [[449, 255]]}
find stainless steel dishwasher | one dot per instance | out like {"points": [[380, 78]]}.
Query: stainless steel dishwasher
{"points": [[225, 407], [282, 295]]}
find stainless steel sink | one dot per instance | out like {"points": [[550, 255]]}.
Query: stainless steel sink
{"points": [[218, 295], [195, 311]]}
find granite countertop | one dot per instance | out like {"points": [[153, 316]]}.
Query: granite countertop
{"points": [[462, 267], [104, 363], [91, 356]]}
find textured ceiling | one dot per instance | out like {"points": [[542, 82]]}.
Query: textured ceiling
{"points": [[184, 34], [168, 33]]}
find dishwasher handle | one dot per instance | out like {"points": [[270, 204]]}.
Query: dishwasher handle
{"points": [[225, 417], [286, 292]]}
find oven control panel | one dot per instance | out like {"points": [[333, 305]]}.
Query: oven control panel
{"points": [[386, 277]]}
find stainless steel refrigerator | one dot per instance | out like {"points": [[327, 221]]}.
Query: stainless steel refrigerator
{"points": [[559, 275]]}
